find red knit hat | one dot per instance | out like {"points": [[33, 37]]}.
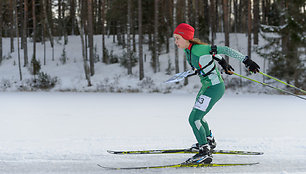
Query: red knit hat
{"points": [[185, 30]]}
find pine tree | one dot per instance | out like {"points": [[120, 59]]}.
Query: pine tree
{"points": [[284, 48]]}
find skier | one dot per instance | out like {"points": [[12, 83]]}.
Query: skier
{"points": [[201, 57]]}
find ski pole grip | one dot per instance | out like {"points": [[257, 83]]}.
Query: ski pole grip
{"points": [[213, 50]]}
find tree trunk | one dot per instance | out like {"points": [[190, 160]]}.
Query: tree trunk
{"points": [[213, 21], [34, 28], [133, 24], [141, 70], [217, 17], [206, 19], [85, 65], [48, 27], [17, 35], [129, 50], [267, 11], [72, 15], [236, 16], [249, 28], [43, 32], [64, 23], [242, 16], [90, 38], [256, 20], [11, 24], [104, 57], [177, 69], [187, 21], [155, 42], [226, 24], [25, 33], [1, 25], [197, 27], [60, 18], [263, 10]]}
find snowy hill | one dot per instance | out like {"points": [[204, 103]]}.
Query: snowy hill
{"points": [[113, 77]]}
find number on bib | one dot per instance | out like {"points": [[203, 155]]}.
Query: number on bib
{"points": [[202, 103]]}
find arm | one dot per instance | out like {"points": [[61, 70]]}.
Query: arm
{"points": [[250, 64], [231, 53], [226, 67]]}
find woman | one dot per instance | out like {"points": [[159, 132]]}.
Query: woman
{"points": [[201, 58]]}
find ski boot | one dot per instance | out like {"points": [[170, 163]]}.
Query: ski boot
{"points": [[210, 140], [202, 157], [195, 147]]}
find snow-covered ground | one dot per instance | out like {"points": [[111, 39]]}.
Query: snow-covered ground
{"points": [[70, 132]]}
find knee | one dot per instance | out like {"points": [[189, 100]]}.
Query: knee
{"points": [[195, 118], [192, 118], [191, 121]]}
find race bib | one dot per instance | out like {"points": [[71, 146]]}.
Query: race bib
{"points": [[202, 103]]}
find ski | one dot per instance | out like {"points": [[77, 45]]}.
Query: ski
{"points": [[175, 151], [182, 165]]}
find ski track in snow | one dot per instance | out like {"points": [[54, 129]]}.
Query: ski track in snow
{"points": [[70, 132]]}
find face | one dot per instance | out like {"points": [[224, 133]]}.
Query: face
{"points": [[180, 42]]}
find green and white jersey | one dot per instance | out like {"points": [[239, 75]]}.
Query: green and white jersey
{"points": [[199, 57]]}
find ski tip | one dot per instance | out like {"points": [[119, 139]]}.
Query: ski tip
{"points": [[108, 168], [255, 163], [100, 166], [255, 153], [250, 164], [110, 151]]}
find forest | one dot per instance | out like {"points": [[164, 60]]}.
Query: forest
{"points": [[134, 23]]}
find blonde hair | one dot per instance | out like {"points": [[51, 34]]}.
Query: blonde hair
{"points": [[197, 41]]}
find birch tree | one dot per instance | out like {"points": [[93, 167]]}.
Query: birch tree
{"points": [[82, 35]]}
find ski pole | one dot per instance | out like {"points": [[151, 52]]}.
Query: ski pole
{"points": [[265, 84], [283, 82]]}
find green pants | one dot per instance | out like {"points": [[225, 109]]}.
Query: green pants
{"points": [[206, 99]]}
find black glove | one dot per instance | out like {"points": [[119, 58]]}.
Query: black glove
{"points": [[251, 65], [226, 67]]}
